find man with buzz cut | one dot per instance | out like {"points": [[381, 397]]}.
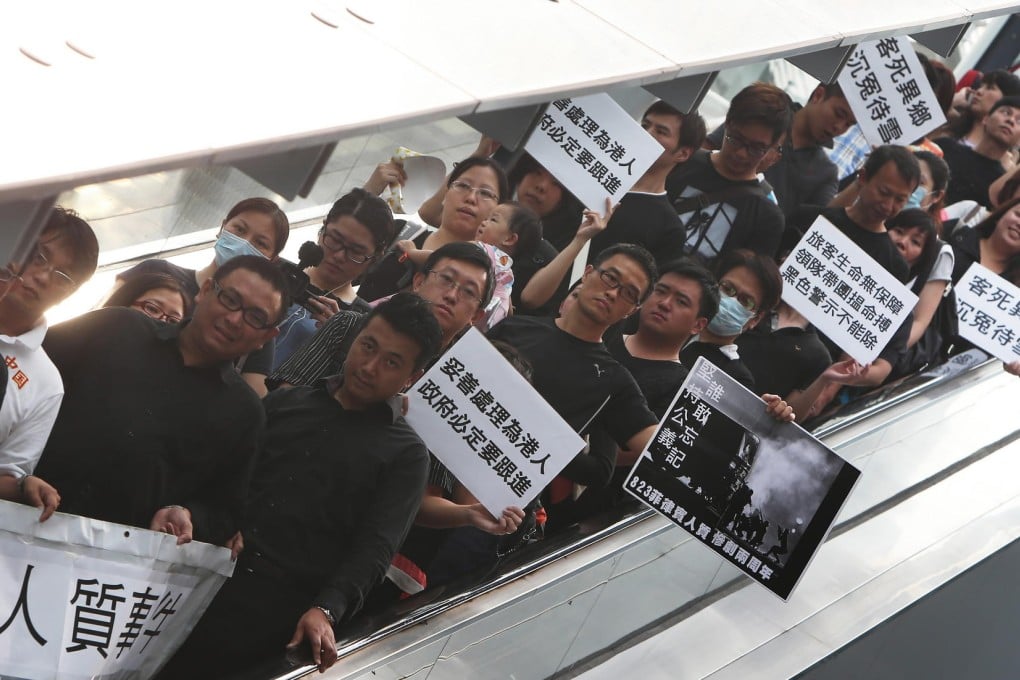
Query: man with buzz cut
{"points": [[336, 489], [157, 429]]}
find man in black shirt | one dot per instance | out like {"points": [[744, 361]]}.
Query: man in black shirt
{"points": [[803, 174], [157, 429], [972, 170], [645, 215], [332, 497], [718, 196], [575, 373]]}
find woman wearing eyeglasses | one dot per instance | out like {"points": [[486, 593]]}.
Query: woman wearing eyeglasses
{"points": [[473, 190], [749, 287], [254, 226], [157, 295], [357, 229]]}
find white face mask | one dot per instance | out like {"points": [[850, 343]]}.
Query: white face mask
{"points": [[228, 246]]}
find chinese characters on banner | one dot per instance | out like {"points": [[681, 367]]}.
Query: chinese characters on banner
{"points": [[842, 291], [593, 147], [888, 92], [988, 309], [493, 431], [81, 598], [760, 493]]}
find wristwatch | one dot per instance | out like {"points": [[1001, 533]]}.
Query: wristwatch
{"points": [[329, 615]]}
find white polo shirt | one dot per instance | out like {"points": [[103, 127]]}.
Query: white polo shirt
{"points": [[34, 391]]}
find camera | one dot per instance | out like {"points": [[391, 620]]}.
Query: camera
{"points": [[298, 285]]}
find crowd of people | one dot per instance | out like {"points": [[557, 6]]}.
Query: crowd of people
{"points": [[224, 405]]}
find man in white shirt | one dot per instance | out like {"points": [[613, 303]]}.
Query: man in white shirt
{"points": [[64, 257]]}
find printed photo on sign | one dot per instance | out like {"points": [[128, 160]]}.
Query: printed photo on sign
{"points": [[489, 426], [885, 85], [83, 599], [593, 148], [760, 493], [988, 311], [840, 289]]}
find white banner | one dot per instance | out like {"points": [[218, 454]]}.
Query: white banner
{"points": [[84, 599], [489, 426], [885, 85], [842, 291], [988, 309], [593, 147]]}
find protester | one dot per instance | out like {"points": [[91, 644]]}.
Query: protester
{"points": [[975, 168], [159, 296]]}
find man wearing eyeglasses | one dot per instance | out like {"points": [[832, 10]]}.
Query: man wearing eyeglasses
{"points": [[157, 428], [717, 194], [575, 373], [64, 257], [457, 279]]}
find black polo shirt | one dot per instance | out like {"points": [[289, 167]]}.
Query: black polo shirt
{"points": [[334, 492], [139, 430]]}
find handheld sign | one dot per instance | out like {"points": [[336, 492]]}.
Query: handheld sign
{"points": [[760, 493], [988, 309], [493, 431], [593, 147], [83, 599], [885, 86], [842, 291]]}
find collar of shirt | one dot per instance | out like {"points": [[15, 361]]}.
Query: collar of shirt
{"points": [[730, 352], [391, 409], [31, 339], [171, 332]]}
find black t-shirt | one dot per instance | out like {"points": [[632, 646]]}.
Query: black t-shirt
{"points": [[584, 384], [783, 360], [877, 245], [260, 361], [524, 268], [734, 368], [647, 220], [390, 275], [970, 173], [139, 430], [659, 380], [748, 220], [800, 177]]}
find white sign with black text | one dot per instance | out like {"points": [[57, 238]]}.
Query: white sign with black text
{"points": [[842, 291], [593, 147], [489, 426], [885, 85], [83, 599], [988, 309]]}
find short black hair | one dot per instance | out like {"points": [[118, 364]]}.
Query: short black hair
{"points": [[84, 246], [763, 268], [471, 253], [528, 226], [686, 268], [368, 209], [265, 270], [692, 125], [763, 104], [473, 162], [411, 316], [904, 160], [640, 255], [514, 358], [1007, 82], [939, 169], [1012, 101], [915, 218]]}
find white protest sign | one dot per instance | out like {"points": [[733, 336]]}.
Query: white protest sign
{"points": [[988, 309], [82, 599], [885, 85], [842, 291], [760, 493], [593, 147], [493, 431]]}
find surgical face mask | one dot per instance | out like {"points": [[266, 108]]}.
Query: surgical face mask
{"points": [[228, 246], [916, 198], [730, 318]]}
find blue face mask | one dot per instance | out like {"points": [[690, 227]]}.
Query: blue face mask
{"points": [[730, 318], [915, 198], [228, 246]]}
